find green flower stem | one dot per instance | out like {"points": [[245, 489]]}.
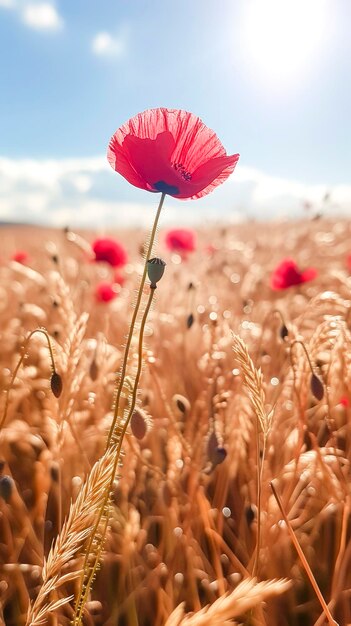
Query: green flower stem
{"points": [[132, 324]]}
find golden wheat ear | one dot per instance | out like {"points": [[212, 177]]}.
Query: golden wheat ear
{"points": [[253, 381], [248, 594]]}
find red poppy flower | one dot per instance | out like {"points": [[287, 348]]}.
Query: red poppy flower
{"points": [[181, 240], [110, 251], [170, 151], [119, 279], [20, 256], [288, 274], [104, 292], [344, 401]]}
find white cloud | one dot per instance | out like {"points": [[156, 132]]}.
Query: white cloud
{"points": [[41, 16], [86, 192], [106, 45]]}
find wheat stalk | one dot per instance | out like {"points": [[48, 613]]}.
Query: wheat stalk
{"points": [[253, 381], [70, 542]]}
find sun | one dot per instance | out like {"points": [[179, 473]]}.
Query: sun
{"points": [[281, 39]]}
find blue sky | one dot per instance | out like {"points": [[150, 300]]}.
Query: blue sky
{"points": [[271, 77]]}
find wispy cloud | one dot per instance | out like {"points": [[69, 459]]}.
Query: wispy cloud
{"points": [[104, 44], [85, 192], [41, 16]]}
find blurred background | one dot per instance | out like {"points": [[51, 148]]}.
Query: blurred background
{"points": [[271, 77]]}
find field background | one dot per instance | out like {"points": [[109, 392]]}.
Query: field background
{"points": [[183, 527]]}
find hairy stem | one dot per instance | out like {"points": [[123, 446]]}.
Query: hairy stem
{"points": [[46, 335], [132, 324]]}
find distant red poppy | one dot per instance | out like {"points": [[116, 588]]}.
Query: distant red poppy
{"points": [[344, 401], [181, 240], [20, 256], [170, 151], [110, 251], [119, 278], [104, 292], [287, 274]]}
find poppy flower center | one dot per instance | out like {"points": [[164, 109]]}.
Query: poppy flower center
{"points": [[173, 190], [182, 171]]}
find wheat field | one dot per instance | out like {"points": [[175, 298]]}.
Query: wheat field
{"points": [[238, 453]]}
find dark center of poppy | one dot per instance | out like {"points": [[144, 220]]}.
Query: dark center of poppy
{"points": [[182, 171], [172, 190]]}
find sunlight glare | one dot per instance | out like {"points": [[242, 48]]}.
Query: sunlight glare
{"points": [[281, 38]]}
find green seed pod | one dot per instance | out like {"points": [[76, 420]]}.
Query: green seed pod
{"points": [[155, 270]]}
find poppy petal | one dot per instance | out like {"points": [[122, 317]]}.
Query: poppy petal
{"points": [[309, 274], [171, 151], [208, 176], [119, 161], [151, 158]]}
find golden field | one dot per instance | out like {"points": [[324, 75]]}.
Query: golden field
{"points": [[194, 532]]}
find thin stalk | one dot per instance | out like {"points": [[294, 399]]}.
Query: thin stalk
{"points": [[132, 324], [85, 588], [301, 343], [260, 462], [304, 561], [46, 335]]}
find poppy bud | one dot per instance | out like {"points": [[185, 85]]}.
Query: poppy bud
{"points": [[93, 370], [55, 472], [317, 387], [212, 445], [139, 423], [155, 270], [190, 320], [215, 452], [56, 384], [181, 402], [250, 514], [283, 332], [6, 487], [219, 456]]}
